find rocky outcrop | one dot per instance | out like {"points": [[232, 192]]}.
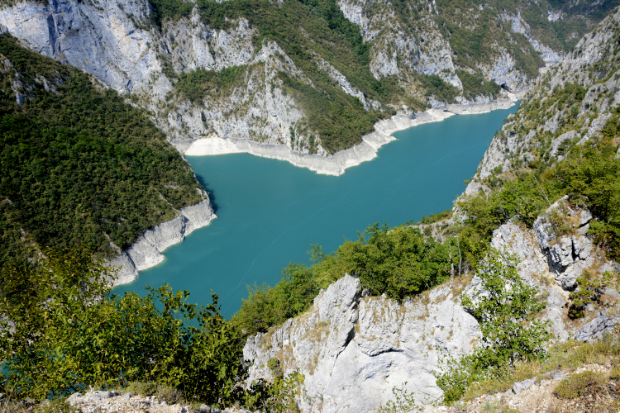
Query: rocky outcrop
{"points": [[353, 349], [146, 252]]}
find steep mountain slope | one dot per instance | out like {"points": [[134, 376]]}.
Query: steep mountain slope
{"points": [[312, 76], [547, 192], [575, 101], [79, 166]]}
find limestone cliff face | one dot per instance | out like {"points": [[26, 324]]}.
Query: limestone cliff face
{"points": [[116, 42], [353, 349]]}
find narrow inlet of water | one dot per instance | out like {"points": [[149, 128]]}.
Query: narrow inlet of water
{"points": [[270, 212]]}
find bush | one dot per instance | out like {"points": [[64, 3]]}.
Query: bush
{"points": [[65, 333], [574, 385], [506, 307], [397, 261]]}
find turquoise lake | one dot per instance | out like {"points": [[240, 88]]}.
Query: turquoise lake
{"points": [[270, 212]]}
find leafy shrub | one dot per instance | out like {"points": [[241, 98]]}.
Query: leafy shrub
{"points": [[267, 306], [199, 83], [436, 217], [65, 333], [398, 261], [574, 385], [438, 88], [505, 307], [475, 85]]}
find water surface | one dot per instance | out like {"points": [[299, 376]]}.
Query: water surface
{"points": [[270, 212]]}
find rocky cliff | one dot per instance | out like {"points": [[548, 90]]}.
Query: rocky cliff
{"points": [[204, 77], [354, 349], [146, 251]]}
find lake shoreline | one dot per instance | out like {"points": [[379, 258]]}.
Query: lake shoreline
{"points": [[146, 252], [337, 164]]}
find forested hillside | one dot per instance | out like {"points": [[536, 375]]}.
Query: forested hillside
{"points": [[79, 166], [311, 75]]}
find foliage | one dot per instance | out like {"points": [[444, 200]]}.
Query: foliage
{"points": [[574, 385], [397, 261], [506, 307], [520, 198], [278, 396], [475, 85], [436, 87], [64, 333], [268, 306], [431, 219], [80, 166], [161, 10], [339, 119], [588, 291], [199, 83]]}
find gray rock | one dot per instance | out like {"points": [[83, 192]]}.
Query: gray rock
{"points": [[559, 376], [72, 400], [127, 395], [523, 385], [99, 395], [353, 350], [612, 292], [555, 145], [596, 329], [561, 254], [204, 408]]}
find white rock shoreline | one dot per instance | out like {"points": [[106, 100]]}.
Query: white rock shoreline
{"points": [[146, 252], [337, 164]]}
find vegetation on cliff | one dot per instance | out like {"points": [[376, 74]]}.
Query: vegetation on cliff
{"points": [[506, 308], [61, 331], [398, 262], [78, 165]]}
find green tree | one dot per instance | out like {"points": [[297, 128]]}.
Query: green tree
{"points": [[506, 308], [64, 333]]}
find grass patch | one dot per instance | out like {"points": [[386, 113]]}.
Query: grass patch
{"points": [[574, 385]]}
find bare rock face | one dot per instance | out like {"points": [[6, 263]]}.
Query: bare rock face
{"points": [[596, 329], [353, 350], [568, 256]]}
